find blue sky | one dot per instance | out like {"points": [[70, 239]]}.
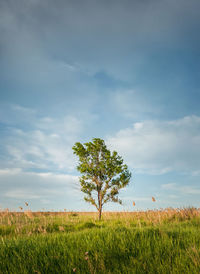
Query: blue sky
{"points": [[125, 71]]}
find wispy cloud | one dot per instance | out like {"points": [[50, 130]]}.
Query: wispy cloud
{"points": [[43, 143], [169, 186], [182, 189], [19, 186], [131, 103], [21, 194]]}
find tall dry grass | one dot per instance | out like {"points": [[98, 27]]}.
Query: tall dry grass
{"points": [[28, 222]]}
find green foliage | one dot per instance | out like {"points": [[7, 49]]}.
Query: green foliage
{"points": [[103, 173]]}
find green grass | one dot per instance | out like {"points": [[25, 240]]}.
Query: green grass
{"points": [[117, 244]]}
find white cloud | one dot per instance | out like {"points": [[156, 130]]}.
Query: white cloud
{"points": [[24, 110], [21, 194], [68, 125], [160, 146], [8, 171], [190, 190], [30, 185], [37, 149], [13, 114], [42, 143], [62, 178], [169, 186], [182, 189]]}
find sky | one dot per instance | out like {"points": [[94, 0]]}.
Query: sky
{"points": [[124, 71]]}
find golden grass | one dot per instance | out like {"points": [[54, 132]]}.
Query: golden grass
{"points": [[150, 216]]}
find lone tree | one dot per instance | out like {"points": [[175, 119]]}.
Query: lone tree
{"points": [[104, 173]]}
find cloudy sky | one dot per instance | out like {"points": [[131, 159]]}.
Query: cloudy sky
{"points": [[125, 71]]}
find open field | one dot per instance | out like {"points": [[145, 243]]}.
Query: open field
{"points": [[163, 241]]}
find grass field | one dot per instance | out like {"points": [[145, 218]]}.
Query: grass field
{"points": [[163, 241]]}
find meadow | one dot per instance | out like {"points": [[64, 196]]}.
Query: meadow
{"points": [[160, 241]]}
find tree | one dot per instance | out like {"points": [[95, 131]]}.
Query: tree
{"points": [[104, 173]]}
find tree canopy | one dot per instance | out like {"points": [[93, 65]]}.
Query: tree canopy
{"points": [[103, 173]]}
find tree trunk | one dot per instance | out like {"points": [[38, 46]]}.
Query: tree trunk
{"points": [[100, 210], [100, 204]]}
